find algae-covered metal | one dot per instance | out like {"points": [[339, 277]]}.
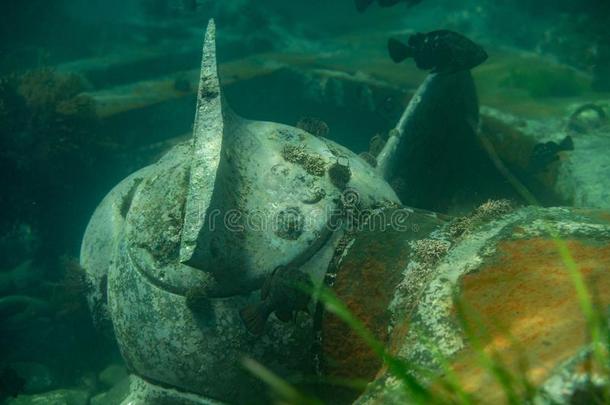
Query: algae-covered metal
{"points": [[217, 215]]}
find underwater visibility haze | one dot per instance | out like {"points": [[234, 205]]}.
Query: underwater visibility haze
{"points": [[304, 202]]}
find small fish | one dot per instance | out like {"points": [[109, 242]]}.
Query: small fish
{"points": [[545, 153], [362, 5], [439, 51], [284, 292]]}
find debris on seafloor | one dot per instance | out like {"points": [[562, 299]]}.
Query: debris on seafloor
{"points": [[577, 177], [587, 117]]}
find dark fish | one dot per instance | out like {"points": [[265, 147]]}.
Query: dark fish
{"points": [[11, 384], [439, 51], [362, 5], [545, 153], [285, 292]]}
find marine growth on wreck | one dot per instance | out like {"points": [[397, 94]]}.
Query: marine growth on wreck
{"points": [[346, 202]]}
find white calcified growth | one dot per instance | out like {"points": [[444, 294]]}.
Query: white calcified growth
{"points": [[207, 142]]}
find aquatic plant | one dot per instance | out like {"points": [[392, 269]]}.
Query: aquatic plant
{"points": [[314, 126], [69, 296], [488, 211], [49, 145], [312, 163], [429, 251], [596, 318], [51, 154], [493, 209], [282, 389], [424, 386], [512, 376]]}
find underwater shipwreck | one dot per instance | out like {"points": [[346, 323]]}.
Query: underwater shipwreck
{"points": [[460, 255]]}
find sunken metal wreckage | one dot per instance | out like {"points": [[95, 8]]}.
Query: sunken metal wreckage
{"points": [[178, 248]]}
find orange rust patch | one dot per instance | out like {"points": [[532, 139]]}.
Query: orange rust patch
{"points": [[366, 282], [526, 295], [600, 215], [604, 215], [518, 230], [366, 288]]}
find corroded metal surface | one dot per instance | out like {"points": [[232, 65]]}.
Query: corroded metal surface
{"points": [[519, 298], [217, 215], [207, 143], [366, 277]]}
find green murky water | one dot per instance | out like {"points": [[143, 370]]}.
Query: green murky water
{"points": [[91, 91]]}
